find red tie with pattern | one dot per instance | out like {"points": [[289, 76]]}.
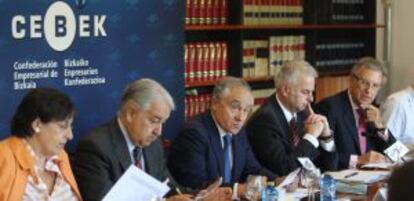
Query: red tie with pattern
{"points": [[137, 153], [362, 127], [294, 130]]}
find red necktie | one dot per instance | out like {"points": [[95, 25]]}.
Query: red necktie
{"points": [[137, 153], [362, 127], [294, 130]]}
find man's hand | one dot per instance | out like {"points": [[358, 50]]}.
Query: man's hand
{"points": [[184, 197], [374, 115], [313, 125], [371, 157]]}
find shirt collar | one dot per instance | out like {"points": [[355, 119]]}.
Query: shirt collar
{"points": [[288, 115], [353, 104], [128, 140], [221, 131]]}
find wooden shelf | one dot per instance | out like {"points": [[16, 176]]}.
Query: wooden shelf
{"points": [[281, 27]]}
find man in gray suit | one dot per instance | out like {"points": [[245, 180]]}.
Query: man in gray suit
{"points": [[132, 137]]}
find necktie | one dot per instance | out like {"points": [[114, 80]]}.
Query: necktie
{"points": [[294, 130], [362, 127], [137, 153], [227, 159]]}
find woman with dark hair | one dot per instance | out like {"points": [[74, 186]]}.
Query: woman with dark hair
{"points": [[33, 163]]}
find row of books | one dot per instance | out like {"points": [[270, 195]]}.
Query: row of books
{"points": [[272, 12], [195, 104], [338, 54], [265, 57], [205, 61], [199, 12], [336, 11]]}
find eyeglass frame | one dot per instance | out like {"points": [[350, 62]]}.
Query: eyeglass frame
{"points": [[366, 84]]}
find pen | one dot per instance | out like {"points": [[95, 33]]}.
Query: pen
{"points": [[350, 175], [178, 191]]}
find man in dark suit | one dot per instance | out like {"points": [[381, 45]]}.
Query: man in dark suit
{"points": [[285, 127], [104, 154], [214, 144], [360, 134]]}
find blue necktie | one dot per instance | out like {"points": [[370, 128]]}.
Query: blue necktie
{"points": [[227, 159]]}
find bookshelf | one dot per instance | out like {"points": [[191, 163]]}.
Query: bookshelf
{"points": [[259, 35]]}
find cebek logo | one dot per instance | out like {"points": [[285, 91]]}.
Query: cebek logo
{"points": [[59, 26]]}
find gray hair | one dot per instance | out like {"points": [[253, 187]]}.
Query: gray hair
{"points": [[144, 92], [291, 70], [226, 83], [369, 63]]}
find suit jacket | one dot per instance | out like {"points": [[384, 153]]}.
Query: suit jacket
{"points": [[196, 157], [16, 164], [271, 141], [102, 156], [338, 110]]}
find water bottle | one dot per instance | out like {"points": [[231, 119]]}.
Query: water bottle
{"points": [[270, 193], [328, 188]]}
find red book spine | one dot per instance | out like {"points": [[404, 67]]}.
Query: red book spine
{"points": [[223, 12], [212, 61], [224, 60], [218, 61], [199, 62], [191, 62], [202, 12], [209, 12], [195, 11], [186, 64], [187, 11], [215, 10], [205, 69]]}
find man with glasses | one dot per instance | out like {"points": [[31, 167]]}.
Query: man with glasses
{"points": [[285, 127], [214, 144], [360, 134]]}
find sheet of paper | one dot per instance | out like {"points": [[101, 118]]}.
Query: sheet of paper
{"points": [[359, 176], [290, 178], [296, 195], [378, 165], [306, 163], [136, 185], [396, 151]]}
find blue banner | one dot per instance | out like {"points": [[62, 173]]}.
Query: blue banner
{"points": [[91, 50]]}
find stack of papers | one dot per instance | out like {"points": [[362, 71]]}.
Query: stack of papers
{"points": [[360, 176], [136, 185]]}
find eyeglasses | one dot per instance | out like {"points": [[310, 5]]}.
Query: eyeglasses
{"points": [[366, 84]]}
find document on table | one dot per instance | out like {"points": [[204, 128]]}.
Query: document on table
{"points": [[290, 178], [385, 165], [359, 176], [136, 185]]}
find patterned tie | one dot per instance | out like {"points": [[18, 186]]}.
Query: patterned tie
{"points": [[362, 127], [294, 130], [137, 153], [227, 155]]}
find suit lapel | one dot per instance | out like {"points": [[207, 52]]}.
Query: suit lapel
{"points": [[150, 160], [120, 145], [281, 120], [349, 119], [215, 142]]}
